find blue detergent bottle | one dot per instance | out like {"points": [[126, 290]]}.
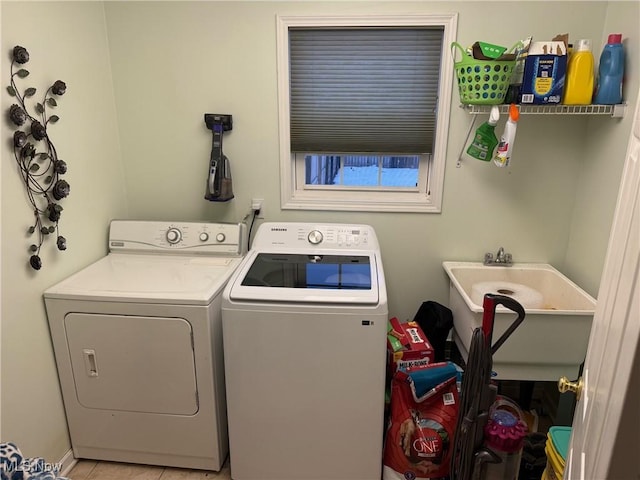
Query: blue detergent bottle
{"points": [[610, 72]]}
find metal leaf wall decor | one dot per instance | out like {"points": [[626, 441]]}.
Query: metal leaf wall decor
{"points": [[36, 156]]}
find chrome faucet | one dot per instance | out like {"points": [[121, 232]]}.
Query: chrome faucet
{"points": [[502, 258]]}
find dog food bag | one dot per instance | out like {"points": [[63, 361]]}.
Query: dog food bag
{"points": [[420, 431], [407, 346]]}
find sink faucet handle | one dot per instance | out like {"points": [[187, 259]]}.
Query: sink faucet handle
{"points": [[501, 258]]}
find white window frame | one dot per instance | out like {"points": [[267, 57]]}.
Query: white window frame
{"points": [[427, 198]]}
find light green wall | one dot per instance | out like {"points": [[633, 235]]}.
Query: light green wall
{"points": [[162, 65], [174, 61], [66, 41], [602, 157]]}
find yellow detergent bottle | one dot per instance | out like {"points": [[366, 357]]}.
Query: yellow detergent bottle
{"points": [[578, 89]]}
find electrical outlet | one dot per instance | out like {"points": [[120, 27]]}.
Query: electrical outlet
{"points": [[257, 205]]}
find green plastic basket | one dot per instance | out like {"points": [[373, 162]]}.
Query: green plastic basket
{"points": [[482, 82]]}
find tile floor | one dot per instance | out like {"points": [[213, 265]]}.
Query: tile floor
{"points": [[93, 470]]}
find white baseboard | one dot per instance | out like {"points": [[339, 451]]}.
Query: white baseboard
{"points": [[67, 462]]}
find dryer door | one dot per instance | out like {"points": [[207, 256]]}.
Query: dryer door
{"points": [[131, 363]]}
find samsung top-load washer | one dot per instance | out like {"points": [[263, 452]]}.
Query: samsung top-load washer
{"points": [[137, 337], [304, 327]]}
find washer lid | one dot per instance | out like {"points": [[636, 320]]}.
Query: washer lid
{"points": [[174, 279], [320, 277]]}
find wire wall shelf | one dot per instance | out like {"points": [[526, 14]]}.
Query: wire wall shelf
{"points": [[614, 111]]}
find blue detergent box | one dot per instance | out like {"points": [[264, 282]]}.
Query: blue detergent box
{"points": [[545, 69]]}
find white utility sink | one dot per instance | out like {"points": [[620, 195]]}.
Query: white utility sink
{"points": [[551, 341]]}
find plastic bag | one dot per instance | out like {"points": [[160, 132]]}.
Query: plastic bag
{"points": [[420, 434]]}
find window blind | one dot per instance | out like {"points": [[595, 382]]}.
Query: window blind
{"points": [[369, 90]]}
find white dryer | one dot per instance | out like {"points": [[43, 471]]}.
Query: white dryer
{"points": [[137, 337], [304, 326]]}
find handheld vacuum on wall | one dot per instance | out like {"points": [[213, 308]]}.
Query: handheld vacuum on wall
{"points": [[219, 186]]}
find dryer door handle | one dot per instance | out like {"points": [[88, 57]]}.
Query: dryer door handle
{"points": [[90, 362]]}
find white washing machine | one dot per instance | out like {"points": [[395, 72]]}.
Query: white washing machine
{"points": [[304, 326], [137, 337]]}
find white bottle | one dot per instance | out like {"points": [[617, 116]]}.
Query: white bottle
{"points": [[505, 147]]}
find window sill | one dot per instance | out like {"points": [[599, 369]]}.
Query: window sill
{"points": [[355, 202]]}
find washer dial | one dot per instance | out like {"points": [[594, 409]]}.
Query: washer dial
{"points": [[174, 235], [220, 237], [315, 237], [204, 236]]}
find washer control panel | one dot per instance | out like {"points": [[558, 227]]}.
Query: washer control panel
{"points": [[305, 235], [188, 237]]}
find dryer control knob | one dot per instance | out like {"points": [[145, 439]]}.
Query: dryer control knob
{"points": [[204, 236], [220, 237], [315, 237], [174, 235]]}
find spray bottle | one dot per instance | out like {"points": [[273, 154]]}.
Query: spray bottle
{"points": [[485, 140], [505, 147]]}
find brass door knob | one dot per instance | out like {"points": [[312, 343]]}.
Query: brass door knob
{"points": [[566, 385]]}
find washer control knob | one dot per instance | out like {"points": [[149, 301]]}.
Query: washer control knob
{"points": [[220, 237], [204, 236], [174, 235], [315, 237]]}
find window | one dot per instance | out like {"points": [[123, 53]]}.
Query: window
{"points": [[363, 111], [362, 170]]}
